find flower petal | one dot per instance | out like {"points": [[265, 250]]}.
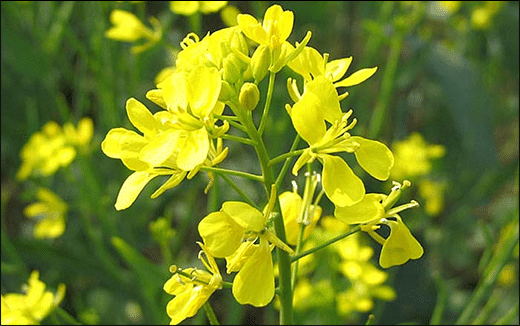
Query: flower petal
{"points": [[140, 116], [221, 234], [131, 188], [194, 150], [341, 185], [374, 157], [368, 209], [254, 283], [244, 215], [400, 246]]}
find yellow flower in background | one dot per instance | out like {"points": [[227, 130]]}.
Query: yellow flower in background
{"points": [[482, 16], [53, 147], [188, 8], [191, 287], [49, 213], [414, 156], [33, 306], [433, 193], [128, 28]]}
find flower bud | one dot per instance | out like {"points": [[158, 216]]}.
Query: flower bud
{"points": [[249, 96], [260, 62], [231, 68]]}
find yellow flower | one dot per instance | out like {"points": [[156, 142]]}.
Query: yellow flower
{"points": [[128, 28], [276, 26], [272, 33], [31, 307], [191, 287], [232, 233], [318, 105], [311, 64], [298, 211], [189, 8], [53, 147], [50, 214], [413, 156], [375, 210]]}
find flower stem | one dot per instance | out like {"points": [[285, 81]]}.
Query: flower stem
{"points": [[331, 241], [211, 314]]}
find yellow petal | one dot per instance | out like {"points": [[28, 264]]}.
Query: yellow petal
{"points": [[254, 283], [221, 234], [194, 151], [203, 90], [341, 185], [307, 118], [374, 157], [244, 215], [329, 102], [368, 209], [161, 148], [336, 69], [50, 227], [357, 78], [131, 188], [140, 116], [400, 246]]}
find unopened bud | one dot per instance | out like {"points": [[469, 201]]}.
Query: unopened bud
{"points": [[260, 62], [249, 96]]}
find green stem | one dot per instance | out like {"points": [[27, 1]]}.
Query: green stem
{"points": [[284, 263], [246, 175], [67, 317], [331, 241], [239, 191], [285, 166], [267, 105], [211, 314], [440, 305], [286, 156], [379, 116], [490, 275], [238, 139]]}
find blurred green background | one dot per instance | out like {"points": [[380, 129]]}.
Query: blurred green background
{"points": [[448, 71]]}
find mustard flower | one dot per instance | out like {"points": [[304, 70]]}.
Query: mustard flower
{"points": [[192, 287], [49, 214], [311, 64], [298, 211], [232, 233], [375, 210], [33, 306], [128, 28], [318, 105], [157, 152], [414, 156], [276, 26], [271, 35], [53, 147], [188, 8]]}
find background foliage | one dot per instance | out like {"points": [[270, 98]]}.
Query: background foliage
{"points": [[442, 74]]}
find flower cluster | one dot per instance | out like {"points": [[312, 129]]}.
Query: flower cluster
{"points": [[212, 87], [49, 212], [54, 147], [33, 306]]}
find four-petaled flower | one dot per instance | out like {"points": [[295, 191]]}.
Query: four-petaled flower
{"points": [[319, 105], [192, 287]]}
